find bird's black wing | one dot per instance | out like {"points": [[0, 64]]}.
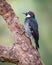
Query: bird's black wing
{"points": [[34, 27]]}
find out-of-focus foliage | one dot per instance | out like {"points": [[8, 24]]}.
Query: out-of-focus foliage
{"points": [[43, 12]]}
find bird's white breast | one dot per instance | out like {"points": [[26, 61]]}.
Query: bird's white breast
{"points": [[27, 29]]}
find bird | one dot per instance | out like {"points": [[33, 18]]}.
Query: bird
{"points": [[31, 27]]}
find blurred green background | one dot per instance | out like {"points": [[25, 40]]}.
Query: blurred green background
{"points": [[43, 12]]}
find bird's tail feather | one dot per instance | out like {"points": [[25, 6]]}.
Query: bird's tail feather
{"points": [[37, 45]]}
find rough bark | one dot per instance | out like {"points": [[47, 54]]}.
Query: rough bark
{"points": [[22, 52]]}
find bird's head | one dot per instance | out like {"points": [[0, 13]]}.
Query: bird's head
{"points": [[30, 14]]}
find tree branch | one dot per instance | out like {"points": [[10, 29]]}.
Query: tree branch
{"points": [[22, 51]]}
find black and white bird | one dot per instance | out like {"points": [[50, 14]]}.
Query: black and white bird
{"points": [[31, 27]]}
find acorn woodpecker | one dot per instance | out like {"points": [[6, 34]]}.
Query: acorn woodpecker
{"points": [[31, 27]]}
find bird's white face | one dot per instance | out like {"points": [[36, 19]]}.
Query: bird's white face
{"points": [[28, 16]]}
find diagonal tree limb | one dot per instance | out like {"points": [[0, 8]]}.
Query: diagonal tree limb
{"points": [[22, 51]]}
